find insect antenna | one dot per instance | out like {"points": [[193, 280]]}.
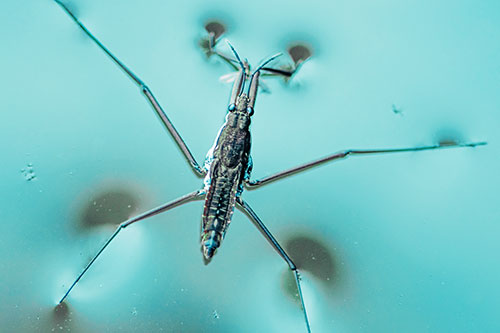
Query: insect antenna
{"points": [[242, 65], [262, 66], [271, 58], [236, 55]]}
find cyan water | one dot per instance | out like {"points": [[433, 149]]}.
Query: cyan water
{"points": [[399, 243]]}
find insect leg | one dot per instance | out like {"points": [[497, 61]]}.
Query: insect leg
{"points": [[147, 93], [230, 61], [274, 243], [280, 72], [160, 209], [346, 153]]}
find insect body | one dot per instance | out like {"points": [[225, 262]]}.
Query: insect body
{"points": [[228, 164]]}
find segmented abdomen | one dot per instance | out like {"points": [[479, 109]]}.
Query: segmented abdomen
{"points": [[217, 213]]}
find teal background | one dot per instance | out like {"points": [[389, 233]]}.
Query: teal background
{"points": [[412, 238]]}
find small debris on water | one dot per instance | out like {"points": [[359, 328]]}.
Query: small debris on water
{"points": [[29, 172], [216, 315], [134, 311], [397, 110]]}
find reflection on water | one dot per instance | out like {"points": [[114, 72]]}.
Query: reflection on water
{"points": [[299, 52], [109, 206], [214, 31], [313, 257], [61, 318]]}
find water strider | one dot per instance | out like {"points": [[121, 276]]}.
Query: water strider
{"points": [[228, 164]]}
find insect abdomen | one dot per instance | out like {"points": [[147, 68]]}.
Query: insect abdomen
{"points": [[219, 208]]}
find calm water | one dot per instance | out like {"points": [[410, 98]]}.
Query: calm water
{"points": [[401, 243]]}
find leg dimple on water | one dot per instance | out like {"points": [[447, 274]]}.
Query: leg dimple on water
{"points": [[111, 206]]}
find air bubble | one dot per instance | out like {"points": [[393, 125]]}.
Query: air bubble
{"points": [[29, 172]]}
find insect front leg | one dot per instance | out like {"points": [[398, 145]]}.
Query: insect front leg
{"points": [[243, 205], [155, 211], [215, 31], [299, 54], [251, 184], [146, 92], [208, 45]]}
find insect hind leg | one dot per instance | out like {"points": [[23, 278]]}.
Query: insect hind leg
{"points": [[243, 205]]}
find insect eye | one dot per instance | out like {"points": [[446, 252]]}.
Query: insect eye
{"points": [[231, 107], [250, 111]]}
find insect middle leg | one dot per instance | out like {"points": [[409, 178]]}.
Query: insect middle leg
{"points": [[274, 243], [160, 209], [346, 153], [146, 92]]}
